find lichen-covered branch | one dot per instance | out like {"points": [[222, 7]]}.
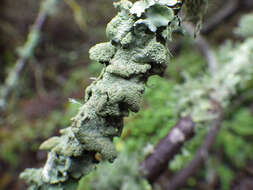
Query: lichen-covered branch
{"points": [[197, 96], [136, 50]]}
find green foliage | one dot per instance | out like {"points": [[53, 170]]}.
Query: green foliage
{"points": [[79, 13], [191, 63], [235, 137], [123, 174], [226, 176]]}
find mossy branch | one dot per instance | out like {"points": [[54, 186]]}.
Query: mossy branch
{"points": [[210, 95], [136, 50]]}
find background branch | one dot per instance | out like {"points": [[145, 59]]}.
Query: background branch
{"points": [[167, 148], [181, 178], [25, 52]]}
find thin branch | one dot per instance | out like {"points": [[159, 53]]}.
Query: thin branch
{"points": [[31, 43], [168, 147], [181, 178], [230, 8]]}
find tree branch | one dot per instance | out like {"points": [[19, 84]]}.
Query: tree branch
{"points": [[25, 53], [181, 178], [131, 56], [167, 148]]}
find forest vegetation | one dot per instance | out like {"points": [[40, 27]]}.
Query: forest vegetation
{"points": [[182, 80]]}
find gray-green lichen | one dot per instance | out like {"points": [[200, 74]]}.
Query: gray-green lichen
{"points": [[245, 26], [197, 97], [102, 52], [134, 52]]}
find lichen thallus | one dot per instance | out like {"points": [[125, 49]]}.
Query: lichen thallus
{"points": [[177, 5]]}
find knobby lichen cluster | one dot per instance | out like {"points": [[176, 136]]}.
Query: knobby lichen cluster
{"points": [[136, 50]]}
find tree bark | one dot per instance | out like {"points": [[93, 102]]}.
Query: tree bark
{"points": [[168, 147]]}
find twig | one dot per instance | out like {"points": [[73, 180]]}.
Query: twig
{"points": [[167, 148], [181, 178], [28, 48]]}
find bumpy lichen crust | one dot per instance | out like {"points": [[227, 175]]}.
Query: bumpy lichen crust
{"points": [[132, 55]]}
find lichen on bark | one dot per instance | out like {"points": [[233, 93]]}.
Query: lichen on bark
{"points": [[134, 52]]}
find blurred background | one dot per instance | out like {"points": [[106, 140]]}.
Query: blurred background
{"points": [[47, 47]]}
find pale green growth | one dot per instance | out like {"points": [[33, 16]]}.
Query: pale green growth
{"points": [[245, 28], [195, 99], [32, 41], [49, 7], [123, 175], [134, 53], [102, 52], [196, 95], [157, 16], [156, 13], [140, 7]]}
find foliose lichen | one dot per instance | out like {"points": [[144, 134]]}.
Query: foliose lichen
{"points": [[134, 52]]}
